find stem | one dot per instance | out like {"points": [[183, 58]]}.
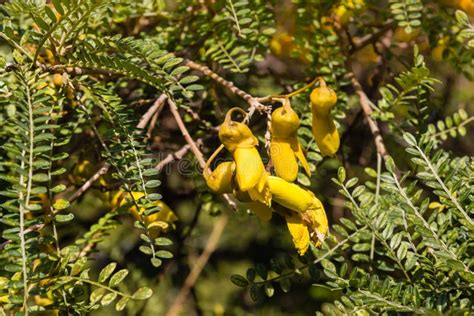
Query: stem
{"points": [[441, 183]]}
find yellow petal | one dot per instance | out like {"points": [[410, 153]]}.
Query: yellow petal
{"points": [[220, 180], [263, 212], [291, 195], [299, 233], [165, 214], [323, 98], [325, 134], [285, 122], [299, 153], [318, 223], [283, 159], [249, 167], [261, 192]]}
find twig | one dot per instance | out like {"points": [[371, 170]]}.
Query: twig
{"points": [[155, 108], [255, 103], [371, 38], [89, 182], [192, 144], [199, 265], [173, 156], [374, 128]]}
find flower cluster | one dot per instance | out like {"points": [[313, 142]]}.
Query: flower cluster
{"points": [[246, 178]]}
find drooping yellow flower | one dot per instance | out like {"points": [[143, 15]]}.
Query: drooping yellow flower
{"points": [[250, 172], [325, 132], [307, 212], [158, 222], [284, 147]]}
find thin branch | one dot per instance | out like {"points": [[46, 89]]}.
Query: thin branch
{"points": [[374, 128], [155, 108], [255, 103], [199, 265], [178, 155], [103, 170], [192, 144]]}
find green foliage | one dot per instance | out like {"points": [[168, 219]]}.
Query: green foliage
{"points": [[85, 223]]}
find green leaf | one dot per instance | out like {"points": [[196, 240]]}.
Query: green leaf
{"points": [[64, 218], [78, 266], [164, 254], [239, 280], [107, 299], [162, 241], [107, 272], [341, 174], [118, 277], [142, 293], [122, 303]]}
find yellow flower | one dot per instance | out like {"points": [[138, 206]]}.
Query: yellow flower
{"points": [[284, 147], [306, 207], [325, 132], [250, 172], [156, 222]]}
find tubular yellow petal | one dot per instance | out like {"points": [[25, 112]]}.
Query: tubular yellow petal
{"points": [[291, 195], [299, 153], [284, 159], [285, 122], [318, 223], [220, 180], [249, 167], [261, 192], [325, 134], [263, 212], [323, 98], [299, 233]]}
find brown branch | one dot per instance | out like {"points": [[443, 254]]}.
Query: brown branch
{"points": [[199, 265], [255, 104], [155, 108], [192, 144], [371, 38], [172, 157], [374, 128], [89, 182]]}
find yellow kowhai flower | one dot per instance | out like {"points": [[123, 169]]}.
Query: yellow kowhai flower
{"points": [[325, 132], [222, 180], [308, 219], [158, 222], [250, 172], [284, 147]]}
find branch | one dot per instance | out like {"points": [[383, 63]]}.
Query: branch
{"points": [[89, 182], [255, 103], [374, 128], [199, 265], [155, 108], [178, 155], [192, 144]]}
